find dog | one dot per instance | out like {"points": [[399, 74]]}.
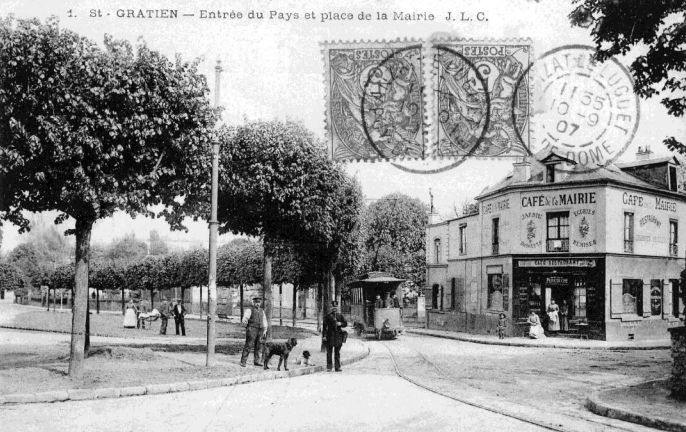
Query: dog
{"points": [[282, 349]]}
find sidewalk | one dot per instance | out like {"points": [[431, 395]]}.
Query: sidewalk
{"points": [[647, 404], [550, 342], [123, 367]]}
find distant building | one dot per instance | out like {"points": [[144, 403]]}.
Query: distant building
{"points": [[608, 243]]}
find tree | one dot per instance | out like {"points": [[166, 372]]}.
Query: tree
{"points": [[270, 173], [87, 131], [657, 27], [394, 232], [125, 251], [157, 245], [12, 278], [27, 258]]}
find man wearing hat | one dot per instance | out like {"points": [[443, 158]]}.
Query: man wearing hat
{"points": [[179, 313], [256, 324], [332, 336]]}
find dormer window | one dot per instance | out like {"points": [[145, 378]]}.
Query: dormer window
{"points": [[672, 180], [550, 174]]}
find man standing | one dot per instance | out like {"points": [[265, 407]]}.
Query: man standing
{"points": [[256, 324], [332, 336], [179, 313], [164, 316]]}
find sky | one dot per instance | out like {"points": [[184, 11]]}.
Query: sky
{"points": [[273, 68]]}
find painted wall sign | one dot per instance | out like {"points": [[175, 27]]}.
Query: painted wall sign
{"points": [[558, 199], [532, 230], [584, 235], [561, 262], [643, 201], [496, 206], [649, 219]]}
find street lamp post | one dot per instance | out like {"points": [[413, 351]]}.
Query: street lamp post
{"points": [[212, 283]]}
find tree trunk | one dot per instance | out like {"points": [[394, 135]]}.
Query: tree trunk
{"points": [[87, 342], [318, 306], [80, 298], [281, 304], [295, 299], [97, 300], [330, 289], [241, 299], [152, 298], [200, 301], [123, 306], [267, 285]]}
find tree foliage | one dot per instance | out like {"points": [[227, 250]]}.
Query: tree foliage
{"points": [[87, 131], [394, 231], [655, 27], [12, 278]]}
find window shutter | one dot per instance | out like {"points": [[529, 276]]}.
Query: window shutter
{"points": [[506, 291], [666, 299], [616, 304], [646, 300], [460, 295]]}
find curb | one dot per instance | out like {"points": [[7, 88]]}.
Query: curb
{"points": [[156, 389], [526, 345], [597, 406]]}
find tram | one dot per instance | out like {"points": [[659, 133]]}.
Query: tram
{"points": [[371, 305]]}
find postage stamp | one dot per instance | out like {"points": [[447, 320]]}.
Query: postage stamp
{"points": [[481, 97], [586, 111], [375, 106]]}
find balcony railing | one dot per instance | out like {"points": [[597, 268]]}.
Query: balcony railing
{"points": [[629, 246], [558, 245], [673, 249], [496, 249]]}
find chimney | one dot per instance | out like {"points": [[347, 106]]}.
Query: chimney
{"points": [[521, 171], [643, 153]]}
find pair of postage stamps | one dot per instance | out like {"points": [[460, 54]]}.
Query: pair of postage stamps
{"points": [[457, 98]]}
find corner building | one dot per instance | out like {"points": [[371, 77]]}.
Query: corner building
{"points": [[608, 242]]}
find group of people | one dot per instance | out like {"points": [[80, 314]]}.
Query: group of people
{"points": [[135, 317], [256, 324], [557, 320]]}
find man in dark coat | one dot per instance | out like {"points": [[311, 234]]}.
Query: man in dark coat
{"points": [[332, 336], [179, 313], [256, 324]]}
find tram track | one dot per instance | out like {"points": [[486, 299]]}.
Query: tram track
{"points": [[506, 413]]}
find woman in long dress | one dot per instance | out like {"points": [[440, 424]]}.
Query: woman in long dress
{"points": [[131, 315], [553, 317], [535, 329]]}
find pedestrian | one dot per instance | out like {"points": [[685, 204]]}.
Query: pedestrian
{"points": [[553, 317], [502, 325], [256, 324], [535, 327], [394, 300], [378, 303], [564, 316], [131, 315], [164, 316], [333, 335], [179, 313]]}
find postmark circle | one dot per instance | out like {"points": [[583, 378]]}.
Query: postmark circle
{"points": [[587, 111]]}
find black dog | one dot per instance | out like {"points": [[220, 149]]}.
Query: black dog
{"points": [[282, 349]]}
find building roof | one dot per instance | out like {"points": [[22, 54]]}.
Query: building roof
{"points": [[578, 174], [647, 162]]}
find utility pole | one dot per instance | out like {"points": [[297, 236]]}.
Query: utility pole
{"points": [[212, 284]]}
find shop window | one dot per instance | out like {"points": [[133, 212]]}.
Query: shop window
{"points": [[495, 291], [629, 232], [676, 298], [673, 237], [558, 232], [632, 296], [463, 239], [495, 235], [655, 297], [579, 300], [437, 251]]}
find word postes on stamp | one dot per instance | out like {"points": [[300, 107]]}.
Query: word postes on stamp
{"points": [[375, 106], [586, 111], [479, 110]]}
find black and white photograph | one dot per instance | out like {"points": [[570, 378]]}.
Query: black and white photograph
{"points": [[343, 216]]}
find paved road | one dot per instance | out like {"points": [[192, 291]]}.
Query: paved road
{"points": [[415, 383]]}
